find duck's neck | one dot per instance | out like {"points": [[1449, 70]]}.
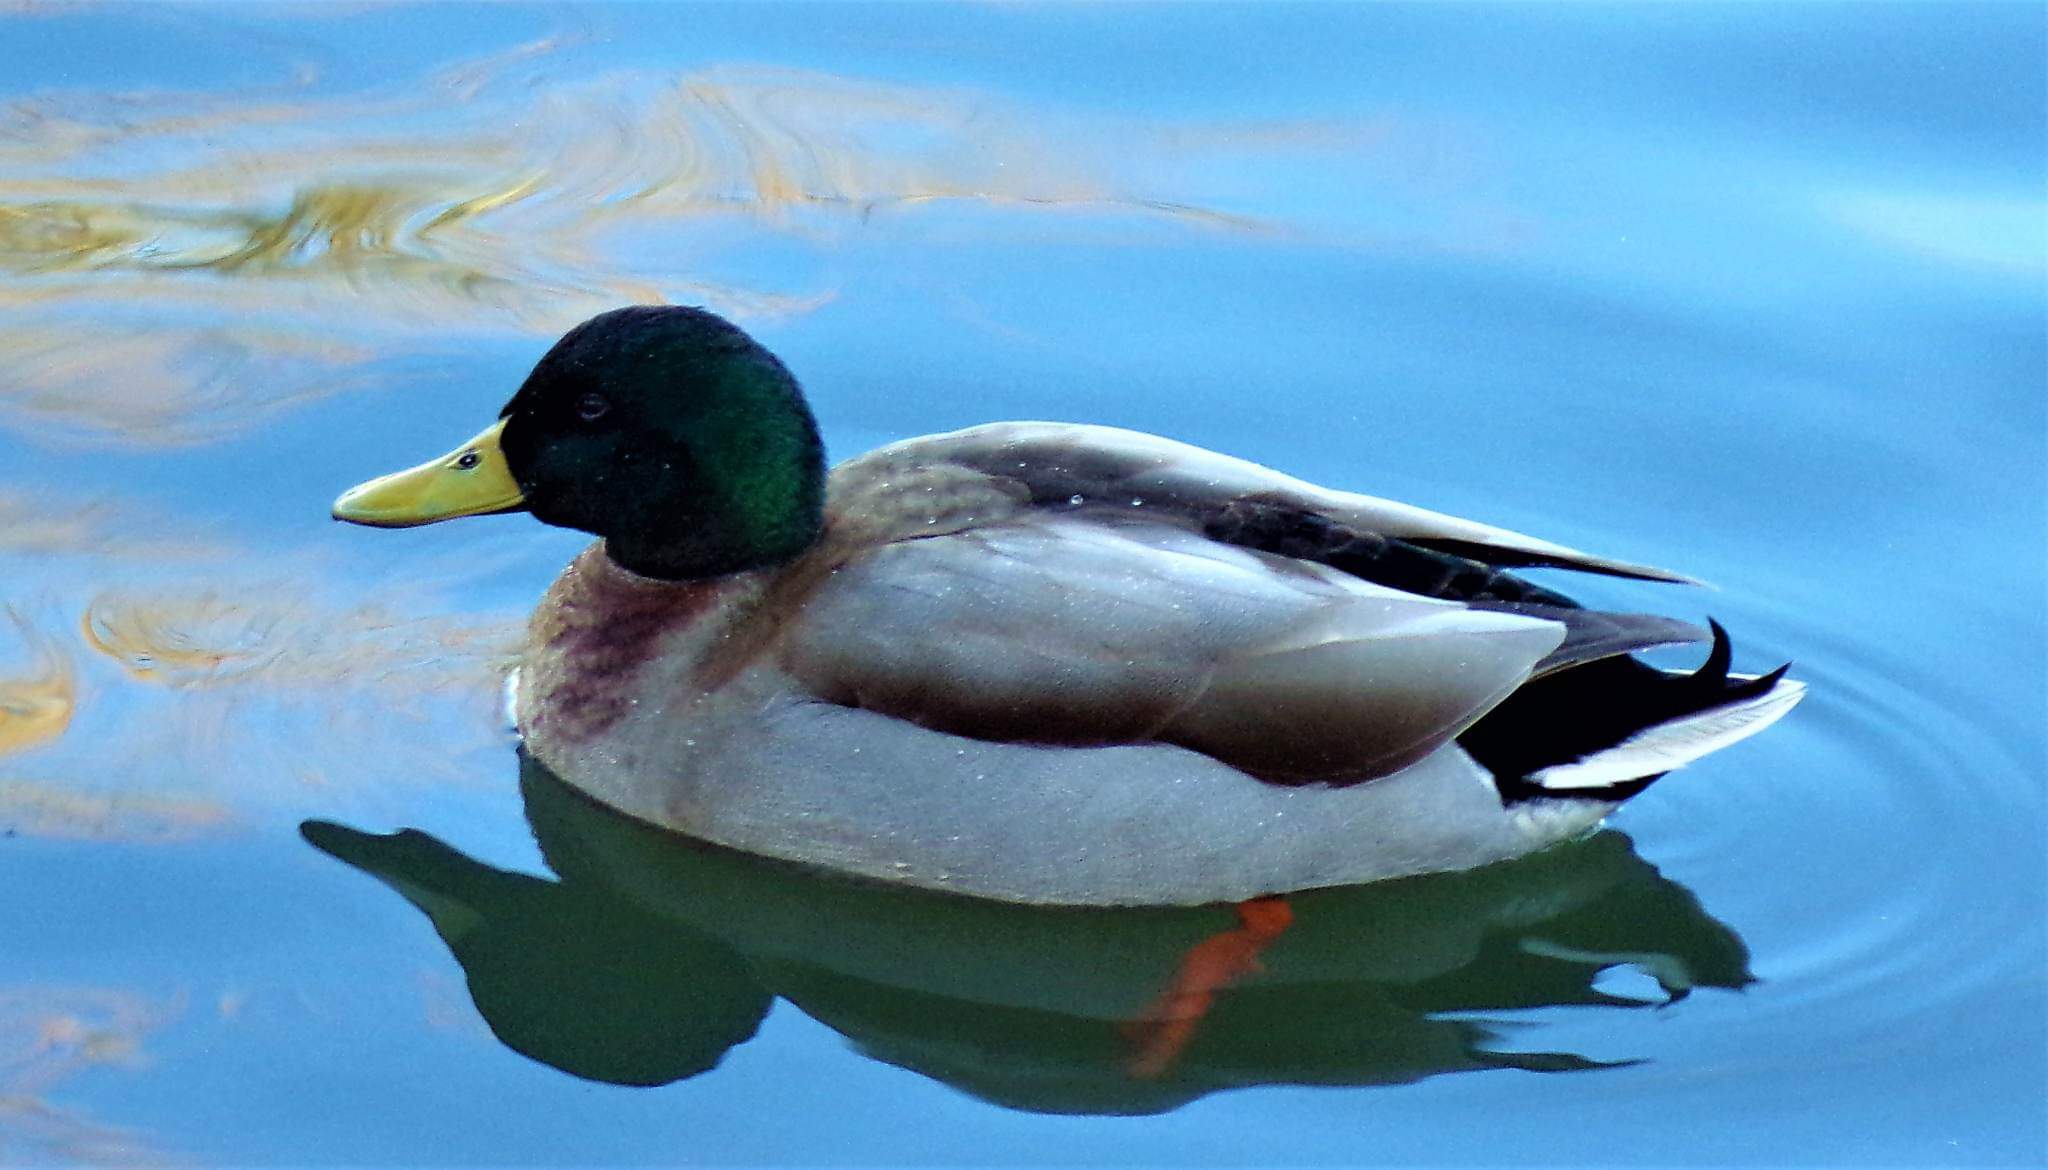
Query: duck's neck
{"points": [[708, 545], [748, 492]]}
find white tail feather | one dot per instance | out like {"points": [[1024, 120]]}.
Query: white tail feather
{"points": [[1676, 743]]}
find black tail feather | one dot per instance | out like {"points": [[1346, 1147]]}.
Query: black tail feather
{"points": [[1719, 659], [1567, 716]]}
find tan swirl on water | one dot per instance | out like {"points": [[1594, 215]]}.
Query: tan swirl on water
{"points": [[251, 697], [41, 523], [195, 677], [210, 703], [51, 1035], [163, 384], [276, 639], [173, 267], [36, 708], [61, 812]]}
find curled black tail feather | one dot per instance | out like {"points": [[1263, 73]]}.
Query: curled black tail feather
{"points": [[1567, 716], [1719, 659]]}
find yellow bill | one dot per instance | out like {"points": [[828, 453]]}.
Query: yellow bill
{"points": [[469, 481]]}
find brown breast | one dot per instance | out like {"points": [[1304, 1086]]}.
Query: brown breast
{"points": [[596, 629]]}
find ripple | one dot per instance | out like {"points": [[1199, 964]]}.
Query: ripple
{"points": [[61, 812], [1883, 838], [35, 709], [308, 234], [209, 639], [49, 1036]]}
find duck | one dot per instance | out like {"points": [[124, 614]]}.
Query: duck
{"points": [[1043, 662]]}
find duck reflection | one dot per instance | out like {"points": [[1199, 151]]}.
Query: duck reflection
{"points": [[651, 956]]}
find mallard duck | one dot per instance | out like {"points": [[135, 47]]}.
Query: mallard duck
{"points": [[1043, 662]]}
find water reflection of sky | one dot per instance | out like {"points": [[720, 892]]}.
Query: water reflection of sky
{"points": [[1754, 292]]}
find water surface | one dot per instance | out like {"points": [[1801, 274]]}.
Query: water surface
{"points": [[1752, 292]]}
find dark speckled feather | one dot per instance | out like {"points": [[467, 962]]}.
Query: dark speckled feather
{"points": [[1097, 469]]}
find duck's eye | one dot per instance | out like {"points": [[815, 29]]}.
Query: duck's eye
{"points": [[467, 460], [592, 407]]}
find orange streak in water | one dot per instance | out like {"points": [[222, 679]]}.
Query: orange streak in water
{"points": [[1168, 1026]]}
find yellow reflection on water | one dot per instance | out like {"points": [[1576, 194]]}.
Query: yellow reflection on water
{"points": [[36, 708], [239, 688], [61, 812], [38, 523], [293, 237], [50, 1035], [162, 385], [210, 639], [141, 712]]}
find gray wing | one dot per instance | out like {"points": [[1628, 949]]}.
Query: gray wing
{"points": [[1063, 630], [1096, 469]]}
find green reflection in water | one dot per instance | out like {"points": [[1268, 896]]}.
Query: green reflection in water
{"points": [[650, 956]]}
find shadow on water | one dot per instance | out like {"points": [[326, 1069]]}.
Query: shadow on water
{"points": [[650, 956]]}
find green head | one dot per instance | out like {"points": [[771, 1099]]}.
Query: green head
{"points": [[666, 430], [674, 436]]}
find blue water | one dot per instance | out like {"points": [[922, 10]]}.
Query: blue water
{"points": [[1755, 293]]}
